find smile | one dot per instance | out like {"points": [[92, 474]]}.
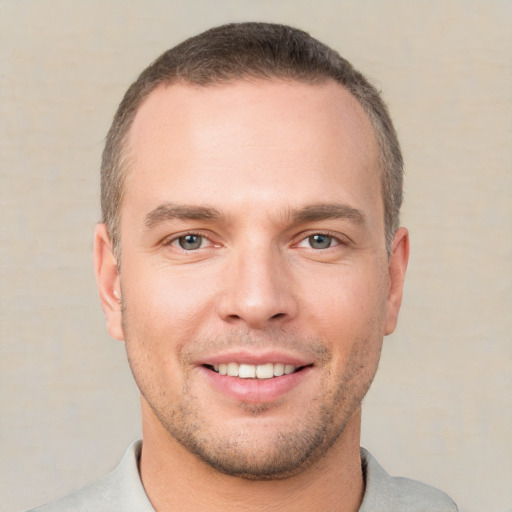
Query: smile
{"points": [[252, 371], [254, 378]]}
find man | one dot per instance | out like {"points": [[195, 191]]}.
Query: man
{"points": [[251, 260]]}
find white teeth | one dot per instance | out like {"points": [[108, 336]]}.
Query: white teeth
{"points": [[265, 371], [278, 369], [289, 369], [247, 371], [251, 371], [233, 369]]}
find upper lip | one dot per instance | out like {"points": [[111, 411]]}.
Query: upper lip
{"points": [[255, 358]]}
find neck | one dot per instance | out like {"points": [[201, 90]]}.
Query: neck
{"points": [[176, 480]]}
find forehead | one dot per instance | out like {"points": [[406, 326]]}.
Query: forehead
{"points": [[257, 136], [171, 108]]}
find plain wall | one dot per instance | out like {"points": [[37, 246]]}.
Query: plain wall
{"points": [[440, 409]]}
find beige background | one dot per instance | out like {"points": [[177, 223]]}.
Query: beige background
{"points": [[441, 406]]}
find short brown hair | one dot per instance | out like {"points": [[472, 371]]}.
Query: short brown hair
{"points": [[242, 50]]}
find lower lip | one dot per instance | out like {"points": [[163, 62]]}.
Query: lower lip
{"points": [[255, 390]]}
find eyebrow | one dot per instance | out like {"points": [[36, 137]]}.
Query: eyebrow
{"points": [[170, 211], [319, 212], [311, 213]]}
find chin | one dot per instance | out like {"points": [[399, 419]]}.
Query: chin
{"points": [[257, 448]]}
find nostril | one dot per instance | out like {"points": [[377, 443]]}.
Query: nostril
{"points": [[277, 315]]}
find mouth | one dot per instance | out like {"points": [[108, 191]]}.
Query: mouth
{"points": [[254, 371], [266, 376]]}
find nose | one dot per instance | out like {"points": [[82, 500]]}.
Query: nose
{"points": [[258, 289]]}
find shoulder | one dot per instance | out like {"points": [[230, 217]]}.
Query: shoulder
{"points": [[120, 490], [386, 493]]}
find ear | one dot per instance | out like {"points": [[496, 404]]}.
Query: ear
{"points": [[397, 267], [107, 278]]}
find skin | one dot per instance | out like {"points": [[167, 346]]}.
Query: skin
{"points": [[255, 168]]}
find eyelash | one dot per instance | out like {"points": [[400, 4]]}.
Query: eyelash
{"points": [[334, 236], [176, 238], [301, 238]]}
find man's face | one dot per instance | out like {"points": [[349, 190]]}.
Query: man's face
{"points": [[252, 232]]}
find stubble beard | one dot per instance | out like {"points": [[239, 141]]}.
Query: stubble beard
{"points": [[280, 453]]}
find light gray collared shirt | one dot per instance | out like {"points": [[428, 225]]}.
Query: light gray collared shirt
{"points": [[122, 491]]}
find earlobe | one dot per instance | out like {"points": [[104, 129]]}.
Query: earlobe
{"points": [[397, 266], [107, 278]]}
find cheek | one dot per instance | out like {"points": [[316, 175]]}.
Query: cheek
{"points": [[157, 325], [161, 315], [348, 301], [164, 301], [348, 312]]}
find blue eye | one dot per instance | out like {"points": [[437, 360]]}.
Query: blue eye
{"points": [[190, 242], [320, 241]]}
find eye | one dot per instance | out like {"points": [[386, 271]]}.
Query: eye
{"points": [[190, 242], [319, 241]]}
